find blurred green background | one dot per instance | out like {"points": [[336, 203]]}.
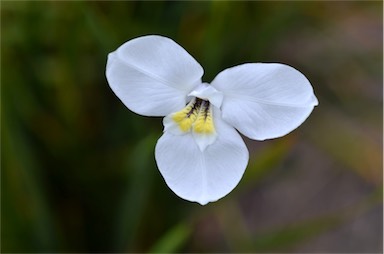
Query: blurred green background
{"points": [[77, 167]]}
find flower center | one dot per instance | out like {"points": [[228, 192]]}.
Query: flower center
{"points": [[197, 115]]}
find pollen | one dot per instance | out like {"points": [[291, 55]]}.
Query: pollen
{"points": [[204, 123], [187, 116], [197, 115], [184, 121], [182, 114]]}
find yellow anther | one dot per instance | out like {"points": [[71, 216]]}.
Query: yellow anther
{"points": [[197, 115], [181, 115], [185, 124], [186, 117], [204, 123]]}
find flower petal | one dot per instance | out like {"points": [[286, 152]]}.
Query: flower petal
{"points": [[152, 75], [202, 176], [204, 128], [265, 101], [208, 92]]}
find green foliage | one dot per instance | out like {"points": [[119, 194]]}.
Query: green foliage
{"points": [[172, 240]]}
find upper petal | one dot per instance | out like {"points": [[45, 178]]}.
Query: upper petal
{"points": [[265, 101], [202, 176], [152, 75], [208, 92]]}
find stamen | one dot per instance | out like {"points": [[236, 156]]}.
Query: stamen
{"points": [[187, 116], [196, 115], [204, 122]]}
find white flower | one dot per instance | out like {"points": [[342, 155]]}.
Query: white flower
{"points": [[200, 154]]}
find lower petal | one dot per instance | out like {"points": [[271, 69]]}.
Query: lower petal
{"points": [[202, 176]]}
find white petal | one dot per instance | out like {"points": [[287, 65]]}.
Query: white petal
{"points": [[207, 92], [152, 75], [206, 138], [171, 126], [265, 101], [202, 176]]}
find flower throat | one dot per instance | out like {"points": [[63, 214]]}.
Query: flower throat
{"points": [[197, 115]]}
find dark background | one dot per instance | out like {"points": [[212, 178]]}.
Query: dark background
{"points": [[77, 167]]}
